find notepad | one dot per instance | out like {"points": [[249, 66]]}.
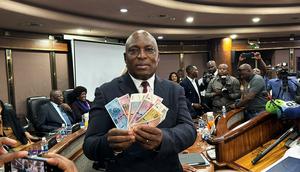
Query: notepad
{"points": [[289, 164], [193, 159]]}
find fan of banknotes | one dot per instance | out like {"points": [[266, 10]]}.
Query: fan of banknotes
{"points": [[137, 109]]}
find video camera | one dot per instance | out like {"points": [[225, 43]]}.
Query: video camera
{"points": [[283, 74], [207, 77], [249, 55]]}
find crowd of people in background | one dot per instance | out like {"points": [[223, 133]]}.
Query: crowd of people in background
{"points": [[249, 88]]}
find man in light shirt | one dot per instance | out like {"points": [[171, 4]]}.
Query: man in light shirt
{"points": [[53, 114]]}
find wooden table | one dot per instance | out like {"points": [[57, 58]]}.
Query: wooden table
{"points": [[200, 147]]}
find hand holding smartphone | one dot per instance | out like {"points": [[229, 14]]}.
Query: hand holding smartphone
{"points": [[32, 164]]}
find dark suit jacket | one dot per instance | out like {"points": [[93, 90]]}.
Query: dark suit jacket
{"points": [[49, 119], [178, 129], [191, 95]]}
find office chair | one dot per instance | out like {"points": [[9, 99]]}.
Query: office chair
{"points": [[33, 105], [68, 97]]}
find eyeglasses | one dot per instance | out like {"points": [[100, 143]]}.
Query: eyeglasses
{"points": [[134, 51]]}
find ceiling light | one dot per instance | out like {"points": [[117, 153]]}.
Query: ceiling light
{"points": [[233, 36], [160, 37], [189, 19], [255, 19], [123, 10]]}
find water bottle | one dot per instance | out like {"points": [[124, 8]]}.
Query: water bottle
{"points": [[44, 145], [63, 130], [201, 124], [224, 111], [86, 119], [205, 134]]}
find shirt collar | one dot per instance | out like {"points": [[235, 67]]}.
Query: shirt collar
{"points": [[192, 80], [137, 82]]}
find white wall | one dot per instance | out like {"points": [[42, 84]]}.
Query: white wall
{"points": [[96, 63]]}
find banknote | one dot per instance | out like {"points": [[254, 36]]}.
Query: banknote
{"points": [[152, 123], [124, 102], [135, 101], [156, 111], [147, 103], [117, 114]]}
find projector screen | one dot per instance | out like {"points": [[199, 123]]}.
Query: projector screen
{"points": [[96, 63]]}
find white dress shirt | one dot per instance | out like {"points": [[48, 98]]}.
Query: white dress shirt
{"points": [[137, 83], [59, 112]]}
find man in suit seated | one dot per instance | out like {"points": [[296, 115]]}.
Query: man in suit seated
{"points": [[143, 148], [192, 91], [53, 114]]}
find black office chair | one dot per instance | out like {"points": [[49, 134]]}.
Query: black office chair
{"points": [[33, 105], [11, 108], [68, 96]]}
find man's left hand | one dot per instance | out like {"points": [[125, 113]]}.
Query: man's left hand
{"points": [[65, 107], [149, 137]]}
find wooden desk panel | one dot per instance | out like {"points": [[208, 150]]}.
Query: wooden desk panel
{"points": [[244, 163]]}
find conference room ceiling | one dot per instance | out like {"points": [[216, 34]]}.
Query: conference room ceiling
{"points": [[167, 18]]}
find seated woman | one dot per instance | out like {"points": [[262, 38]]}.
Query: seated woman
{"points": [[10, 127], [80, 104]]}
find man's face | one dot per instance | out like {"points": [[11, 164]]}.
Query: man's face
{"points": [[222, 70], [211, 67], [244, 73], [194, 72], [141, 56], [57, 97]]}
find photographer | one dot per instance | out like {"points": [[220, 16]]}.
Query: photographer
{"points": [[223, 89], [211, 73], [285, 86]]}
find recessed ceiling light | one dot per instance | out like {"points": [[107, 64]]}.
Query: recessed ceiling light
{"points": [[255, 19], [123, 10], [160, 37], [233, 36], [189, 19]]}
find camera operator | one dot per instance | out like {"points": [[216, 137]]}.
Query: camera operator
{"points": [[211, 73], [262, 67], [223, 89], [285, 86], [253, 98]]}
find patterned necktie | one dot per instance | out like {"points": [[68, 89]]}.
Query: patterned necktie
{"points": [[145, 85]]}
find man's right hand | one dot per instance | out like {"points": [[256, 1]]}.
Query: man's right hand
{"points": [[7, 157], [120, 140], [241, 58], [197, 106]]}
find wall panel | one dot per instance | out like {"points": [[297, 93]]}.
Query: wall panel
{"points": [[168, 63], [31, 77], [198, 60], [62, 73], [3, 77]]}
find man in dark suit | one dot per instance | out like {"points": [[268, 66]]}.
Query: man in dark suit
{"points": [[192, 91], [143, 148], [54, 113]]}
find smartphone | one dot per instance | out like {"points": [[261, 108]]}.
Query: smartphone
{"points": [[32, 164], [248, 55]]}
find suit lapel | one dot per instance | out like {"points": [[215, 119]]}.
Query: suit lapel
{"points": [[191, 85], [55, 111], [160, 88], [126, 85]]}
